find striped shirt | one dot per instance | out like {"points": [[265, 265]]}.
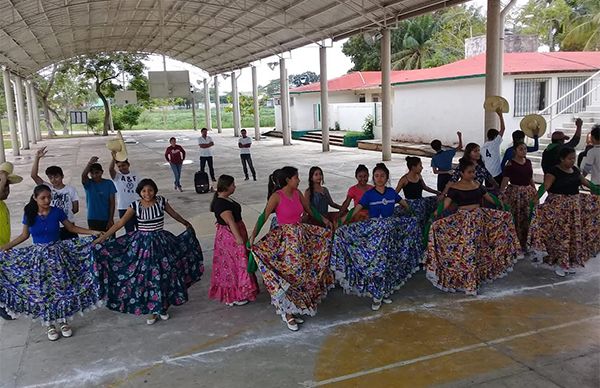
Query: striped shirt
{"points": [[151, 218]]}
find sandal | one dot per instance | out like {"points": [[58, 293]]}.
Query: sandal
{"points": [[152, 319], [52, 333], [291, 323], [66, 330]]}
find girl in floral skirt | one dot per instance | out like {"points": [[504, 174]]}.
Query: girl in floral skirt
{"points": [[473, 245], [293, 258], [319, 197], [558, 224], [412, 184], [230, 281], [356, 192], [376, 256], [482, 175], [518, 190], [146, 271], [52, 279]]}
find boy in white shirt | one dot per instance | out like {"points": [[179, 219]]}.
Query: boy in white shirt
{"points": [[244, 143], [126, 182], [490, 151], [206, 145], [591, 163], [64, 196]]}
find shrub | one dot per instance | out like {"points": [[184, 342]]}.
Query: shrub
{"points": [[368, 125], [128, 116]]}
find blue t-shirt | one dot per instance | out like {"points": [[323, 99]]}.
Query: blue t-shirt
{"points": [[380, 205], [97, 198], [443, 160], [46, 229]]}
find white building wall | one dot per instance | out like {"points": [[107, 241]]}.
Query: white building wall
{"points": [[350, 116]]}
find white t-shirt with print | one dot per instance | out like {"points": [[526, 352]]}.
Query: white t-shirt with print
{"points": [[490, 153], [126, 185], [244, 141], [63, 199], [204, 152]]}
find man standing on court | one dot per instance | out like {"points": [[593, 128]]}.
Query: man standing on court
{"points": [[206, 145], [245, 143]]}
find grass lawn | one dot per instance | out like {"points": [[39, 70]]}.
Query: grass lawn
{"points": [[182, 119]]}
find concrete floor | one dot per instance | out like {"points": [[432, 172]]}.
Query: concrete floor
{"points": [[530, 329]]}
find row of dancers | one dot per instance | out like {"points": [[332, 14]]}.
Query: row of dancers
{"points": [[370, 250]]}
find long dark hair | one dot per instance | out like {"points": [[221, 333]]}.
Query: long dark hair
{"points": [[31, 209], [311, 172], [467, 154], [288, 172], [222, 185], [412, 161], [273, 183]]}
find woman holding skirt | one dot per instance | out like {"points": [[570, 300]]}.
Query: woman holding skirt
{"points": [[559, 225], [293, 257], [52, 279], [375, 257], [146, 271], [473, 245], [230, 282], [518, 190], [356, 192]]}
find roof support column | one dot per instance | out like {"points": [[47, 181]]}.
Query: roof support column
{"points": [[36, 113], [324, 98], [10, 112], [21, 113], [284, 97], [386, 96], [30, 109], [236, 105], [207, 115], [218, 104], [493, 59], [256, 104]]}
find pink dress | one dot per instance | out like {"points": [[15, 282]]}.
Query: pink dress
{"points": [[289, 210], [356, 194]]}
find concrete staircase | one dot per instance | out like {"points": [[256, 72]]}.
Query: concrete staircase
{"points": [[317, 137]]}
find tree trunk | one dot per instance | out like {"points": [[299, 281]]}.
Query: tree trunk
{"points": [[106, 111], [47, 117]]}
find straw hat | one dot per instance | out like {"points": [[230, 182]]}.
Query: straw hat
{"points": [[117, 145], [533, 125], [8, 168], [492, 103]]}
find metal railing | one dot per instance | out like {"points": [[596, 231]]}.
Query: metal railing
{"points": [[588, 89]]}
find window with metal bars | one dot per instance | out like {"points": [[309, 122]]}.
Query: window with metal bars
{"points": [[565, 85], [531, 95]]}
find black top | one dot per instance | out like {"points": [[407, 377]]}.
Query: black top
{"points": [[565, 183], [413, 190], [550, 155], [222, 204], [467, 197]]}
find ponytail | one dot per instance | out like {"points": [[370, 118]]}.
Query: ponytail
{"points": [[31, 209]]}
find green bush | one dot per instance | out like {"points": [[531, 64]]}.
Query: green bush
{"points": [[367, 126], [126, 117]]}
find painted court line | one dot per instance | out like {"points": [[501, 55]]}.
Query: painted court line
{"points": [[91, 375], [444, 353]]}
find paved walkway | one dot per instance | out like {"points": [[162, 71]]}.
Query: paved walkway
{"points": [[529, 329]]}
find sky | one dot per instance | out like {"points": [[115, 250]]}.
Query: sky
{"points": [[302, 59]]}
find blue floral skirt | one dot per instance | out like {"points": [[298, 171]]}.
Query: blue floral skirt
{"points": [[146, 272], [49, 282], [422, 208], [375, 257]]}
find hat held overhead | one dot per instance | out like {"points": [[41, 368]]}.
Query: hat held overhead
{"points": [[117, 147], [8, 168], [533, 125], [493, 103]]}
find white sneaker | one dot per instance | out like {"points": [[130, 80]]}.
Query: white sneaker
{"points": [[559, 271], [237, 303], [66, 330], [298, 320], [52, 333], [164, 316], [376, 305], [152, 319]]}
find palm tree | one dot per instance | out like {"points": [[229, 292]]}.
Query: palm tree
{"points": [[583, 31], [417, 46]]}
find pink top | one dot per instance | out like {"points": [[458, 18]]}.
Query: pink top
{"points": [[356, 194], [289, 210]]}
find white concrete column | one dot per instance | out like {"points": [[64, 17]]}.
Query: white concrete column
{"points": [[236, 105], [194, 121], [30, 111], [2, 151], [324, 98], [36, 113], [207, 115], [10, 112], [493, 59], [285, 108], [21, 118], [218, 105], [386, 96], [256, 105]]}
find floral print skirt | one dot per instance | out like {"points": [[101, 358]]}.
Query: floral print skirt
{"points": [[519, 198], [421, 208], [230, 280], [375, 257], [49, 282], [557, 228], [470, 247], [146, 272], [293, 260]]}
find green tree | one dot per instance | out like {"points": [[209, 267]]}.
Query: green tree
{"points": [[545, 19], [129, 115], [2, 97], [417, 44], [102, 69], [139, 83], [246, 105], [305, 78], [583, 30]]}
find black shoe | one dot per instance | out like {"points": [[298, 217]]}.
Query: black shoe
{"points": [[254, 178], [246, 179], [5, 315]]}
